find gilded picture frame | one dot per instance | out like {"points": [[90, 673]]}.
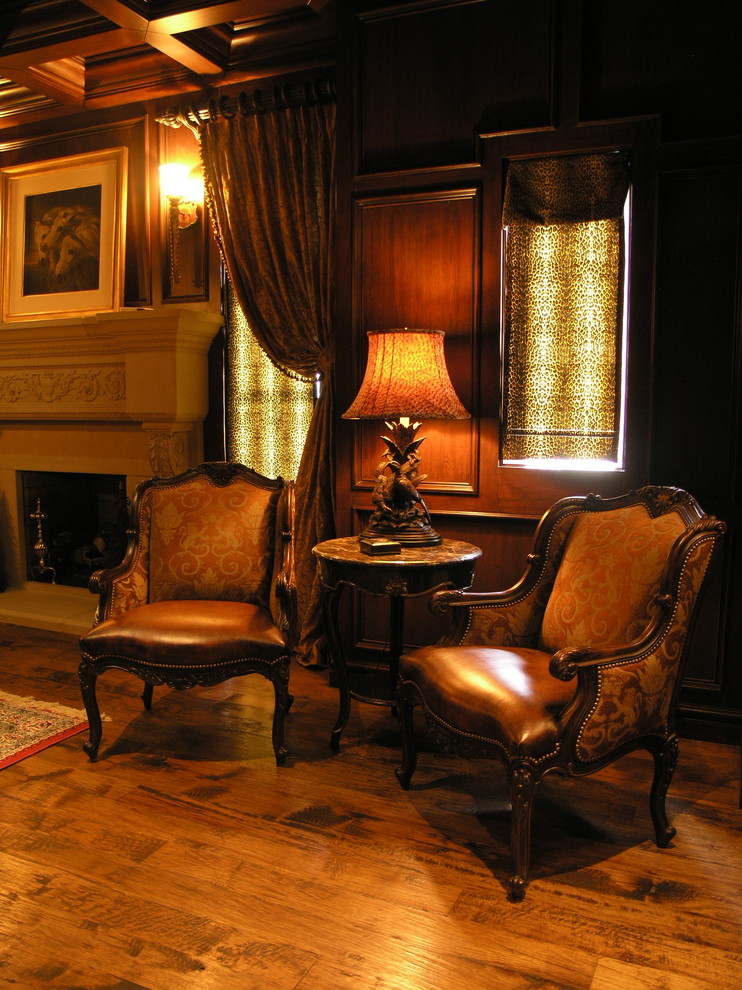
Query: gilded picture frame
{"points": [[62, 227]]}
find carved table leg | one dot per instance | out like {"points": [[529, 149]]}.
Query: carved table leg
{"points": [[331, 601], [396, 640]]}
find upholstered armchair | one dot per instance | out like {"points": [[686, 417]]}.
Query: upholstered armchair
{"points": [[205, 592], [578, 663]]}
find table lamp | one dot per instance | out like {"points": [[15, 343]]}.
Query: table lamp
{"points": [[406, 379]]}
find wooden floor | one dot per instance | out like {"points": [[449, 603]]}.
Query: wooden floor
{"points": [[186, 859]]}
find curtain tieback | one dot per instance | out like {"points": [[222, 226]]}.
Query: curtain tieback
{"points": [[326, 359]]}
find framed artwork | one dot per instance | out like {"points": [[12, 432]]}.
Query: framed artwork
{"points": [[62, 226]]}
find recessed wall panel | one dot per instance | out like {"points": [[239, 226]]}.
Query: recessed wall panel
{"points": [[696, 402], [665, 57], [476, 67], [416, 260]]}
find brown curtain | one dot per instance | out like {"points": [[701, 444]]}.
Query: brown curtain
{"points": [[270, 182]]}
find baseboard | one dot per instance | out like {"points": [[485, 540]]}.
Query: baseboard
{"points": [[722, 728]]}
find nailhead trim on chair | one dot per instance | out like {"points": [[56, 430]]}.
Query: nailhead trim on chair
{"points": [[633, 660], [191, 666], [480, 739], [599, 692]]}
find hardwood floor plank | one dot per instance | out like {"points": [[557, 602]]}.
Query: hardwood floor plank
{"points": [[431, 973], [184, 858], [611, 974]]}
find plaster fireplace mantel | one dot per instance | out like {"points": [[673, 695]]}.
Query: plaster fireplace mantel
{"points": [[136, 365], [120, 393]]}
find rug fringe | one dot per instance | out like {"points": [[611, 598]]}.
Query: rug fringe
{"points": [[15, 699]]}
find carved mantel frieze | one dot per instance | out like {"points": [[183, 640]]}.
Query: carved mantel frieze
{"points": [[26, 388]]}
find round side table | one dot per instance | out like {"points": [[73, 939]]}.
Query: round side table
{"points": [[412, 572]]}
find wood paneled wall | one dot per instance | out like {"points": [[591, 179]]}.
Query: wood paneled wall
{"points": [[80, 134], [434, 99], [146, 273]]}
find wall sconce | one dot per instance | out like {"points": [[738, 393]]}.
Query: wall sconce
{"points": [[183, 188], [406, 377]]}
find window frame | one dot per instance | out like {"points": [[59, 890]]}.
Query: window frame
{"points": [[527, 490]]}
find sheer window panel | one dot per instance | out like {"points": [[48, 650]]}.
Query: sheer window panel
{"points": [[564, 283], [268, 411]]}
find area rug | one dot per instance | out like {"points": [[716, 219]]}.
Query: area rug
{"points": [[27, 726]]}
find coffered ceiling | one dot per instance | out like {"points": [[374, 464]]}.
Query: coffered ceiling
{"points": [[66, 55]]}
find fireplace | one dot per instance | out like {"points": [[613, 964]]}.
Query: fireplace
{"points": [[74, 524], [115, 396]]}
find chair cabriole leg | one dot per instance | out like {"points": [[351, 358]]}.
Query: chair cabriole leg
{"points": [[522, 787], [665, 761], [405, 709], [282, 704], [88, 676]]}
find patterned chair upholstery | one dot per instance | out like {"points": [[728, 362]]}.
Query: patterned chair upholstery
{"points": [[578, 663], [205, 592]]}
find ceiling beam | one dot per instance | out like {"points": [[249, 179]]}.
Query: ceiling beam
{"points": [[54, 63], [225, 12], [200, 14], [98, 43], [159, 32], [119, 12], [178, 50], [62, 81]]}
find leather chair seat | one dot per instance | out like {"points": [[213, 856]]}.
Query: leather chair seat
{"points": [[187, 634], [505, 697]]}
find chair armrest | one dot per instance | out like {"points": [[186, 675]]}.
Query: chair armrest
{"points": [[569, 662], [626, 694], [442, 601], [512, 617], [498, 618], [287, 618], [121, 587], [623, 696]]}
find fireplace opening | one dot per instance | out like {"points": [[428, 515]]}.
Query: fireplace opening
{"points": [[74, 524]]}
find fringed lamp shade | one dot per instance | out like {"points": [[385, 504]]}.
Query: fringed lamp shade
{"points": [[406, 378]]}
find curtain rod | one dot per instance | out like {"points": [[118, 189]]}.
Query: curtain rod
{"points": [[259, 101]]}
